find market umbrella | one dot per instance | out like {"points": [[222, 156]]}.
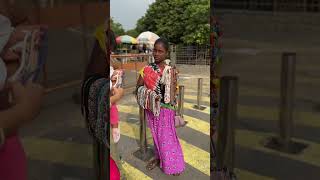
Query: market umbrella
{"points": [[147, 38], [125, 39]]}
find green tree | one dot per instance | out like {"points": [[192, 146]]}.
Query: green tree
{"points": [[133, 32], [197, 28], [180, 21], [117, 28]]}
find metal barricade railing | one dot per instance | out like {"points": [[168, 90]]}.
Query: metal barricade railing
{"points": [[284, 142], [193, 55], [199, 96], [225, 148], [226, 123]]}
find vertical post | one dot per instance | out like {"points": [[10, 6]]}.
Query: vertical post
{"points": [[143, 131], [199, 96], [144, 153], [287, 97], [181, 101], [200, 81], [226, 122]]}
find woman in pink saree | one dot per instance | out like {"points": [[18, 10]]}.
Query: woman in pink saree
{"points": [[159, 79]]}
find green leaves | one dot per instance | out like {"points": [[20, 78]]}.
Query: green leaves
{"points": [[133, 33], [180, 21], [117, 28]]}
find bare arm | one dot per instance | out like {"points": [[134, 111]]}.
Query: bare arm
{"points": [[117, 96], [140, 81], [11, 119], [27, 106]]}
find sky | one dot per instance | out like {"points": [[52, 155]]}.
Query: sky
{"points": [[127, 12]]}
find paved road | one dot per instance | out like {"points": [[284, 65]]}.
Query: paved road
{"points": [[258, 66], [58, 146]]}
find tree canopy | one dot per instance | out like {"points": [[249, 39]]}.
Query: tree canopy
{"points": [[180, 21], [117, 28]]}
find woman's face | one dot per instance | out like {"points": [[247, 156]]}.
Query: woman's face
{"points": [[159, 53]]}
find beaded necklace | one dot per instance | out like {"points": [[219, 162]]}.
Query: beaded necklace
{"points": [[147, 100]]}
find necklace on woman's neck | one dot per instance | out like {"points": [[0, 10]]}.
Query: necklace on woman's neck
{"points": [[161, 64]]}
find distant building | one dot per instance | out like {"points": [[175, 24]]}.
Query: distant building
{"points": [[270, 5]]}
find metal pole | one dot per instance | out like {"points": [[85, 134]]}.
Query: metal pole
{"points": [[143, 131], [287, 97], [199, 95], [144, 153], [181, 100], [199, 92], [227, 118]]}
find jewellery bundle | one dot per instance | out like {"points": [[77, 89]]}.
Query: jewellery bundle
{"points": [[33, 57], [119, 74], [147, 100]]}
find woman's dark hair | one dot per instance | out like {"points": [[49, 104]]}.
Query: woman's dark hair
{"points": [[98, 63], [112, 38], [164, 42]]}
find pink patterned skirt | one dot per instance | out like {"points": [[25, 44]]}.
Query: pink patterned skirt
{"points": [[166, 142]]}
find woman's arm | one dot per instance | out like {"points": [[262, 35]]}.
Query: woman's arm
{"points": [[27, 100], [11, 119], [140, 81], [118, 93]]}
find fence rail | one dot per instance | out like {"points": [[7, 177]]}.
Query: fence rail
{"points": [[193, 55]]}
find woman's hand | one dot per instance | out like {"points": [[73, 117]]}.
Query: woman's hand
{"points": [[118, 93], [28, 98], [114, 78], [26, 106]]}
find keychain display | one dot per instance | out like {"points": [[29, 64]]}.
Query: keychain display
{"points": [[32, 57], [119, 75], [147, 100]]}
